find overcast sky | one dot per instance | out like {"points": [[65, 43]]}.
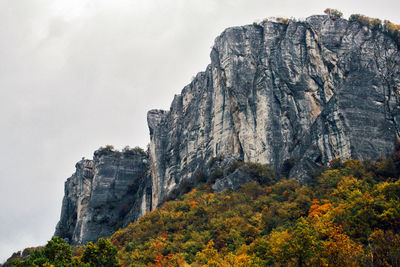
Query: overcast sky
{"points": [[79, 74]]}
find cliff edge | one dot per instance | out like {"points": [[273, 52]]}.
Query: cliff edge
{"points": [[300, 91]]}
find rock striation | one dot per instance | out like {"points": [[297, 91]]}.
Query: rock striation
{"points": [[104, 194], [303, 91], [309, 91]]}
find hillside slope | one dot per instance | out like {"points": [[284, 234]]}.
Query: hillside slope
{"points": [[347, 215], [289, 94]]}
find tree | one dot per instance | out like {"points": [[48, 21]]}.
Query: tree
{"points": [[385, 248], [340, 250], [209, 256], [333, 13], [102, 254], [57, 252], [297, 245]]}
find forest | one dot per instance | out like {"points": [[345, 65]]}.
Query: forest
{"points": [[347, 214]]}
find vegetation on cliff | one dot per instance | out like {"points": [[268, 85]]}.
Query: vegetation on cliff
{"points": [[347, 215], [388, 27], [59, 253]]}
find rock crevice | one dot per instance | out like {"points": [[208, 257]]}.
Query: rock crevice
{"points": [[105, 194], [309, 91]]}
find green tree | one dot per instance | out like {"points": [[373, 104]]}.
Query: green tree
{"points": [[102, 254], [333, 13], [296, 246], [57, 252]]}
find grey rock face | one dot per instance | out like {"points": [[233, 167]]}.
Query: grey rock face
{"points": [[232, 181], [312, 91], [104, 195], [307, 92], [76, 197]]}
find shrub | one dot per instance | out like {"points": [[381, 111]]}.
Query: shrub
{"points": [[336, 163], [392, 30], [104, 150], [360, 18], [388, 27], [333, 13], [215, 175], [234, 166], [264, 175], [287, 166], [108, 148], [373, 23], [283, 20], [133, 151], [185, 186]]}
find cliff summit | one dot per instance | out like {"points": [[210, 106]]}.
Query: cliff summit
{"points": [[304, 92]]}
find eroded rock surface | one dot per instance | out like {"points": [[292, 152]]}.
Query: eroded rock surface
{"points": [[104, 194], [305, 92], [310, 91]]}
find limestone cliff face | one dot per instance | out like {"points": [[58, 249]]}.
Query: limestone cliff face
{"points": [[104, 194], [310, 91], [307, 92]]}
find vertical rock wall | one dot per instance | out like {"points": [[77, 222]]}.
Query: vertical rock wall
{"points": [[308, 91], [311, 91], [104, 195]]}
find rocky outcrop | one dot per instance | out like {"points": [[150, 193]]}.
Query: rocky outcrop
{"points": [[310, 91], [104, 194], [232, 181], [303, 92]]}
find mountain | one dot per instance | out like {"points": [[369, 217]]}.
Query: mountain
{"points": [[292, 95]]}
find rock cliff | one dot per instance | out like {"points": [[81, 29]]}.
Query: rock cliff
{"points": [[104, 194], [307, 91], [303, 91]]}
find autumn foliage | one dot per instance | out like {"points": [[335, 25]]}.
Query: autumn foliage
{"points": [[349, 215]]}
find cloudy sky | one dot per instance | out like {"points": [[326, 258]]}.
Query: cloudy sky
{"points": [[79, 74]]}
